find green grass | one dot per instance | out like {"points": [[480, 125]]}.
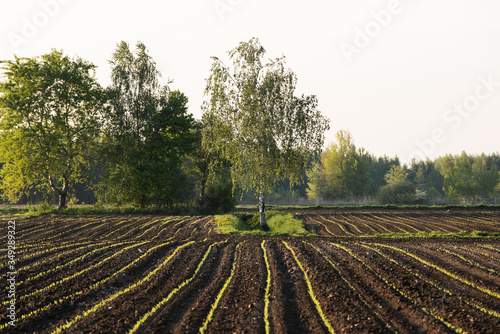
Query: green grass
{"points": [[96, 209], [279, 223], [229, 224]]}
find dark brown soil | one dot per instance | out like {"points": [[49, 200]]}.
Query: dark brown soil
{"points": [[105, 274]]}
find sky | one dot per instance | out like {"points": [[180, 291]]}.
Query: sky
{"points": [[408, 78]]}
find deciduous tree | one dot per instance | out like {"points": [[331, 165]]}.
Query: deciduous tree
{"points": [[342, 171], [50, 112], [148, 132], [255, 121]]}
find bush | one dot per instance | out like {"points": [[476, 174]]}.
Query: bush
{"points": [[218, 198], [41, 209], [400, 193]]}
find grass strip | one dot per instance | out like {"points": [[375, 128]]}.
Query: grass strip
{"points": [[268, 288]]}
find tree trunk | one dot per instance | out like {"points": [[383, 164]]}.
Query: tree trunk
{"points": [[63, 195], [262, 210], [204, 178]]}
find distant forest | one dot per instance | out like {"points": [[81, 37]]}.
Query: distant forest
{"points": [[66, 139]]}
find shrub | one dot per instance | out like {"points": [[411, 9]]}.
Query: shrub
{"points": [[400, 193], [218, 198]]}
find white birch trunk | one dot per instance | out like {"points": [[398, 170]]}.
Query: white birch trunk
{"points": [[262, 210]]}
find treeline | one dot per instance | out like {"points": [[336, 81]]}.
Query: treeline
{"points": [[64, 136], [134, 142], [344, 172]]}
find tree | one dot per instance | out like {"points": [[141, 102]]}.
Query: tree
{"points": [[50, 115], [427, 179], [458, 177], [213, 177], [255, 121], [147, 134], [341, 172], [485, 177], [378, 168], [398, 189]]}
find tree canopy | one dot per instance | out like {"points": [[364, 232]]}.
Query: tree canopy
{"points": [[60, 132], [50, 110], [147, 134], [342, 171], [255, 120]]}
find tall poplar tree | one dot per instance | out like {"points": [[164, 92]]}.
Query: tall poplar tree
{"points": [[254, 120]]}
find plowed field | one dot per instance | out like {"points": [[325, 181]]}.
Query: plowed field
{"points": [[174, 274]]}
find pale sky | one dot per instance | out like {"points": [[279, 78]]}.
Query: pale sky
{"points": [[412, 78]]}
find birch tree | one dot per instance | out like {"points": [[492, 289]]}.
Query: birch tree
{"points": [[254, 120]]}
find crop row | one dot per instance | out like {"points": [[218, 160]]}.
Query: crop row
{"points": [[176, 274], [351, 224]]}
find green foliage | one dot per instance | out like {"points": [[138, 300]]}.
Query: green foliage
{"points": [[50, 112], [213, 178], [41, 209], [229, 224], [279, 223], [396, 175], [254, 120], [148, 132], [378, 169], [400, 193], [398, 189], [468, 177], [341, 172], [254, 220], [218, 196]]}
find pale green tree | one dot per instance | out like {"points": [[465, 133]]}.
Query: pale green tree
{"points": [[254, 120], [485, 177], [50, 113], [458, 176], [398, 189], [397, 175], [342, 171]]}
